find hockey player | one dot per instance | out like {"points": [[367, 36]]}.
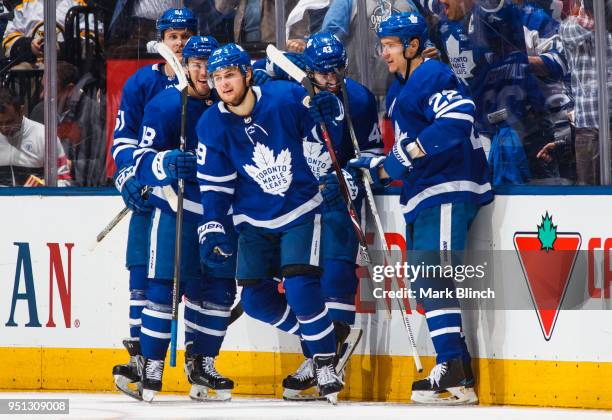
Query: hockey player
{"points": [[325, 61], [439, 157], [175, 27], [250, 157], [159, 162]]}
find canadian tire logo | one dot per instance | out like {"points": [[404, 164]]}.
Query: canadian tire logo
{"points": [[547, 258]]}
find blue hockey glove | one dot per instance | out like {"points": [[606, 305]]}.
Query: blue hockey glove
{"points": [[131, 190], [215, 246], [178, 165], [280, 74], [372, 164], [324, 107], [332, 195], [260, 77]]}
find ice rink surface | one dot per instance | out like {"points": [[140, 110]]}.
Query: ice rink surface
{"points": [[167, 406]]}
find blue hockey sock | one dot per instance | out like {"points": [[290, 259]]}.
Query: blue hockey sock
{"points": [[138, 300], [193, 300], [262, 301], [213, 319], [306, 301], [339, 285], [156, 320], [446, 334]]}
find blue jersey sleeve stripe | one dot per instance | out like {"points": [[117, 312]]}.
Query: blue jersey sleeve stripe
{"points": [[120, 149], [124, 140], [217, 188], [459, 116], [217, 178]]}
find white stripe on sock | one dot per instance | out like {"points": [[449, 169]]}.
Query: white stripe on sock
{"points": [[446, 330], [319, 336], [155, 334]]}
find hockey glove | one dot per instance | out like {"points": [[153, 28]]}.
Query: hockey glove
{"points": [[215, 246], [178, 165], [260, 77], [332, 195], [324, 107], [373, 165], [131, 190]]}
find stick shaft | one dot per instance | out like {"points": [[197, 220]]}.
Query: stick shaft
{"points": [[111, 225]]}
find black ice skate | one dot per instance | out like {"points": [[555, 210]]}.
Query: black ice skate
{"points": [[328, 380], [449, 383], [151, 372], [126, 376], [205, 377], [302, 380]]}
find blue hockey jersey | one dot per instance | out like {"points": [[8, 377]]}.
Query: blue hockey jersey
{"points": [[160, 132], [139, 89], [364, 115], [433, 110], [256, 164]]}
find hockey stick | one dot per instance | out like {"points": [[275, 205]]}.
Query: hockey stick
{"points": [[278, 58], [111, 225], [367, 180], [176, 66]]}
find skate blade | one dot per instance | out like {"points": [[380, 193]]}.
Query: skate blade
{"points": [[201, 393], [148, 395], [297, 395], [452, 396], [123, 384]]}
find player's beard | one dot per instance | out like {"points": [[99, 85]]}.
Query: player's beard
{"points": [[240, 100]]}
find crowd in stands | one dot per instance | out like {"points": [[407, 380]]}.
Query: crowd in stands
{"points": [[530, 66]]}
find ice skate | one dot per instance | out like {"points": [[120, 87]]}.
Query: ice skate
{"points": [[328, 380], [295, 385], [126, 376], [205, 377], [449, 383], [151, 372]]}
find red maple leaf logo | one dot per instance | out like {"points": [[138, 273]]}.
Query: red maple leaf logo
{"points": [[547, 258]]}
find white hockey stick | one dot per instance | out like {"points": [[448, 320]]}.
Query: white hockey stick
{"points": [[176, 66], [278, 58], [367, 180]]}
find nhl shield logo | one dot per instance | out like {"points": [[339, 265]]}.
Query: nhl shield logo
{"points": [[547, 258]]}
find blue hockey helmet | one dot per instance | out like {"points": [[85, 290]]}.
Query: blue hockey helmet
{"points": [[199, 47], [176, 19], [406, 26], [324, 53], [229, 55]]}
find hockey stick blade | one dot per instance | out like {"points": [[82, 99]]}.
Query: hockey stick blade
{"points": [[167, 54], [277, 57]]}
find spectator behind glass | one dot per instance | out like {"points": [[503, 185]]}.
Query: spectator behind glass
{"points": [[217, 22], [24, 35], [79, 126], [22, 147], [255, 20], [578, 37], [133, 25]]}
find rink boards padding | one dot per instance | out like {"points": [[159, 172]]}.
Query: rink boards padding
{"points": [[370, 378], [64, 307]]}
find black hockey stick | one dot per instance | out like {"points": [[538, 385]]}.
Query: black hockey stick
{"points": [[367, 180], [278, 58], [182, 86]]}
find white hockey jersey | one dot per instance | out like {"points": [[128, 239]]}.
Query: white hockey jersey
{"points": [[24, 155]]}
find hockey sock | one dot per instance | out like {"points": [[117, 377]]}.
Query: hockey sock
{"points": [[262, 301], [306, 301], [339, 285], [156, 319], [138, 285], [193, 300], [213, 319], [446, 334]]}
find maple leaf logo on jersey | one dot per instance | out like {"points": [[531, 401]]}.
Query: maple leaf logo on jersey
{"points": [[273, 174], [547, 258], [317, 157], [462, 62]]}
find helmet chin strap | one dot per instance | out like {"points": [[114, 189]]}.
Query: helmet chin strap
{"points": [[409, 66]]}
